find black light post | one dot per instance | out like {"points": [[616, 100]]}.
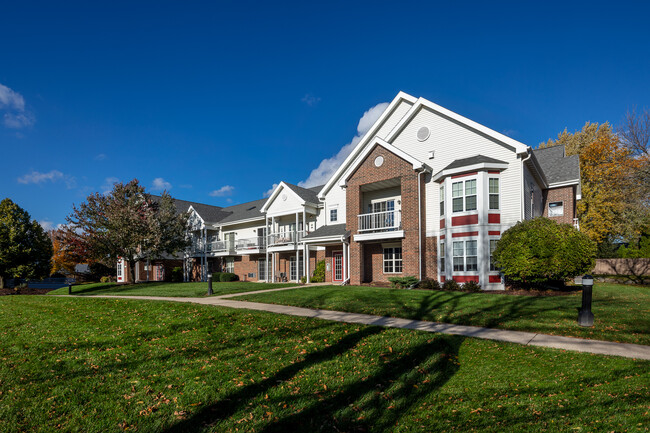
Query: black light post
{"points": [[209, 284], [585, 316], [69, 289]]}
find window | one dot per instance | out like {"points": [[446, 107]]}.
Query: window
{"points": [[493, 246], [556, 208], [465, 256], [230, 265], [442, 257], [261, 270], [292, 268], [468, 198], [119, 269], [494, 193], [392, 260], [333, 215], [442, 200]]}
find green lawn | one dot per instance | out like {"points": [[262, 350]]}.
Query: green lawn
{"points": [[167, 289], [622, 312], [109, 365]]}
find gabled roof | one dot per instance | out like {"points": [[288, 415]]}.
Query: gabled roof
{"points": [[208, 213], [557, 167], [476, 162], [243, 211], [305, 195]]}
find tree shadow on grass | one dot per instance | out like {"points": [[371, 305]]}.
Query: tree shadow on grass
{"points": [[408, 377]]}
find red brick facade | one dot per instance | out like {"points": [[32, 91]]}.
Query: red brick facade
{"points": [[366, 258], [565, 194]]}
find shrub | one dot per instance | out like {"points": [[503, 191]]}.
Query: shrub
{"points": [[106, 279], [540, 251], [319, 273], [226, 277], [429, 284], [177, 274], [216, 277], [403, 282], [472, 286], [303, 280], [450, 285]]}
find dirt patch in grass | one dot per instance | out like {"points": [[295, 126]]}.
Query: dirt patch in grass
{"points": [[24, 291]]}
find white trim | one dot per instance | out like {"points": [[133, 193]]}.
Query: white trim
{"points": [[401, 97], [275, 193], [335, 238], [565, 183], [421, 102], [379, 236], [474, 167]]}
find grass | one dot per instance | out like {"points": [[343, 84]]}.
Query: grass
{"points": [[167, 289], [108, 365], [622, 312]]}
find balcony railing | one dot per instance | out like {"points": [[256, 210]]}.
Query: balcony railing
{"points": [[380, 221], [256, 243], [285, 238]]}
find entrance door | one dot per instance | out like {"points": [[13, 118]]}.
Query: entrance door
{"points": [[337, 271]]}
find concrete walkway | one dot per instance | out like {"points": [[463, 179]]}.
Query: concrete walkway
{"points": [[598, 347]]}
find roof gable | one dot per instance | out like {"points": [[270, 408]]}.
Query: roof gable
{"points": [[557, 167]]}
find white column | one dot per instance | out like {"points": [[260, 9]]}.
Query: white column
{"points": [[273, 267], [304, 221], [345, 265], [297, 221], [266, 248], [297, 265], [306, 258]]}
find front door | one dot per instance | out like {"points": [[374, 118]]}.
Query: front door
{"points": [[337, 271]]}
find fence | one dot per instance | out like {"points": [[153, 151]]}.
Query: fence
{"points": [[46, 283], [635, 270]]}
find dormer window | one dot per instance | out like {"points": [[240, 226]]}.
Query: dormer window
{"points": [[334, 215]]}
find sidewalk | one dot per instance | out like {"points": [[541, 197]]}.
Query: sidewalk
{"points": [[518, 337]]}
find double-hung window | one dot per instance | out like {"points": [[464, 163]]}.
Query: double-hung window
{"points": [[493, 246], [334, 215], [465, 256], [494, 193], [392, 260], [230, 265], [442, 257], [442, 200], [463, 195]]}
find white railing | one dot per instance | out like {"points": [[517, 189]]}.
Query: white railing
{"points": [[380, 221], [255, 243], [285, 238]]}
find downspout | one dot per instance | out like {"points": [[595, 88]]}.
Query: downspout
{"points": [[419, 227], [522, 185], [346, 257]]}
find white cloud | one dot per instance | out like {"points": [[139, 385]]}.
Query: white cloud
{"points": [[310, 99], [160, 184], [100, 157], [49, 225], [107, 187], [37, 177], [270, 191], [13, 104], [222, 192], [327, 167]]}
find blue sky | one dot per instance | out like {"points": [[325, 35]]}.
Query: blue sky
{"points": [[217, 101]]}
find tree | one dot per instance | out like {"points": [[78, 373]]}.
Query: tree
{"points": [[62, 260], [540, 251], [125, 223], [25, 248], [608, 209]]}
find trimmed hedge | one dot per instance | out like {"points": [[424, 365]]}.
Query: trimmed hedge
{"points": [[226, 277], [541, 251]]}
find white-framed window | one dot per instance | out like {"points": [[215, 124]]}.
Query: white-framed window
{"points": [[463, 195], [261, 270], [119, 269], [334, 215], [442, 200], [555, 208], [392, 260], [494, 193], [465, 255], [230, 265], [292, 268], [493, 246], [442, 257]]}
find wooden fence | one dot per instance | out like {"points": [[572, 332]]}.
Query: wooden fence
{"points": [[621, 267]]}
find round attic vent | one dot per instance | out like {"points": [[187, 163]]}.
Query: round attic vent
{"points": [[423, 133], [284, 197], [379, 161]]}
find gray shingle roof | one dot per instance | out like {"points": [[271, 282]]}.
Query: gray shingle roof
{"points": [[477, 159], [307, 194], [556, 166], [331, 230], [244, 211], [208, 212]]}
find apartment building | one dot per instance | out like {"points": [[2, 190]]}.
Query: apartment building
{"points": [[426, 193]]}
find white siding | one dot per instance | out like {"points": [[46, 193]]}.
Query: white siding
{"points": [[535, 208], [280, 207], [335, 196], [452, 141], [393, 120]]}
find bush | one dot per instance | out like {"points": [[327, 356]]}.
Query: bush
{"points": [[403, 282], [541, 251], [450, 285], [472, 286], [227, 277], [107, 279], [177, 274], [429, 284], [216, 277], [319, 273]]}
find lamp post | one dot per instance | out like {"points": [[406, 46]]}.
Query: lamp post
{"points": [[209, 284], [69, 288], [585, 316]]}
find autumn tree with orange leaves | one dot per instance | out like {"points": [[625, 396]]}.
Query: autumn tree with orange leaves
{"points": [[62, 259]]}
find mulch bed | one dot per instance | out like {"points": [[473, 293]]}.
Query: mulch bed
{"points": [[24, 291]]}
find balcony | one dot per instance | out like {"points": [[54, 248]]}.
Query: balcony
{"points": [[250, 245], [380, 225], [214, 248], [288, 238]]}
